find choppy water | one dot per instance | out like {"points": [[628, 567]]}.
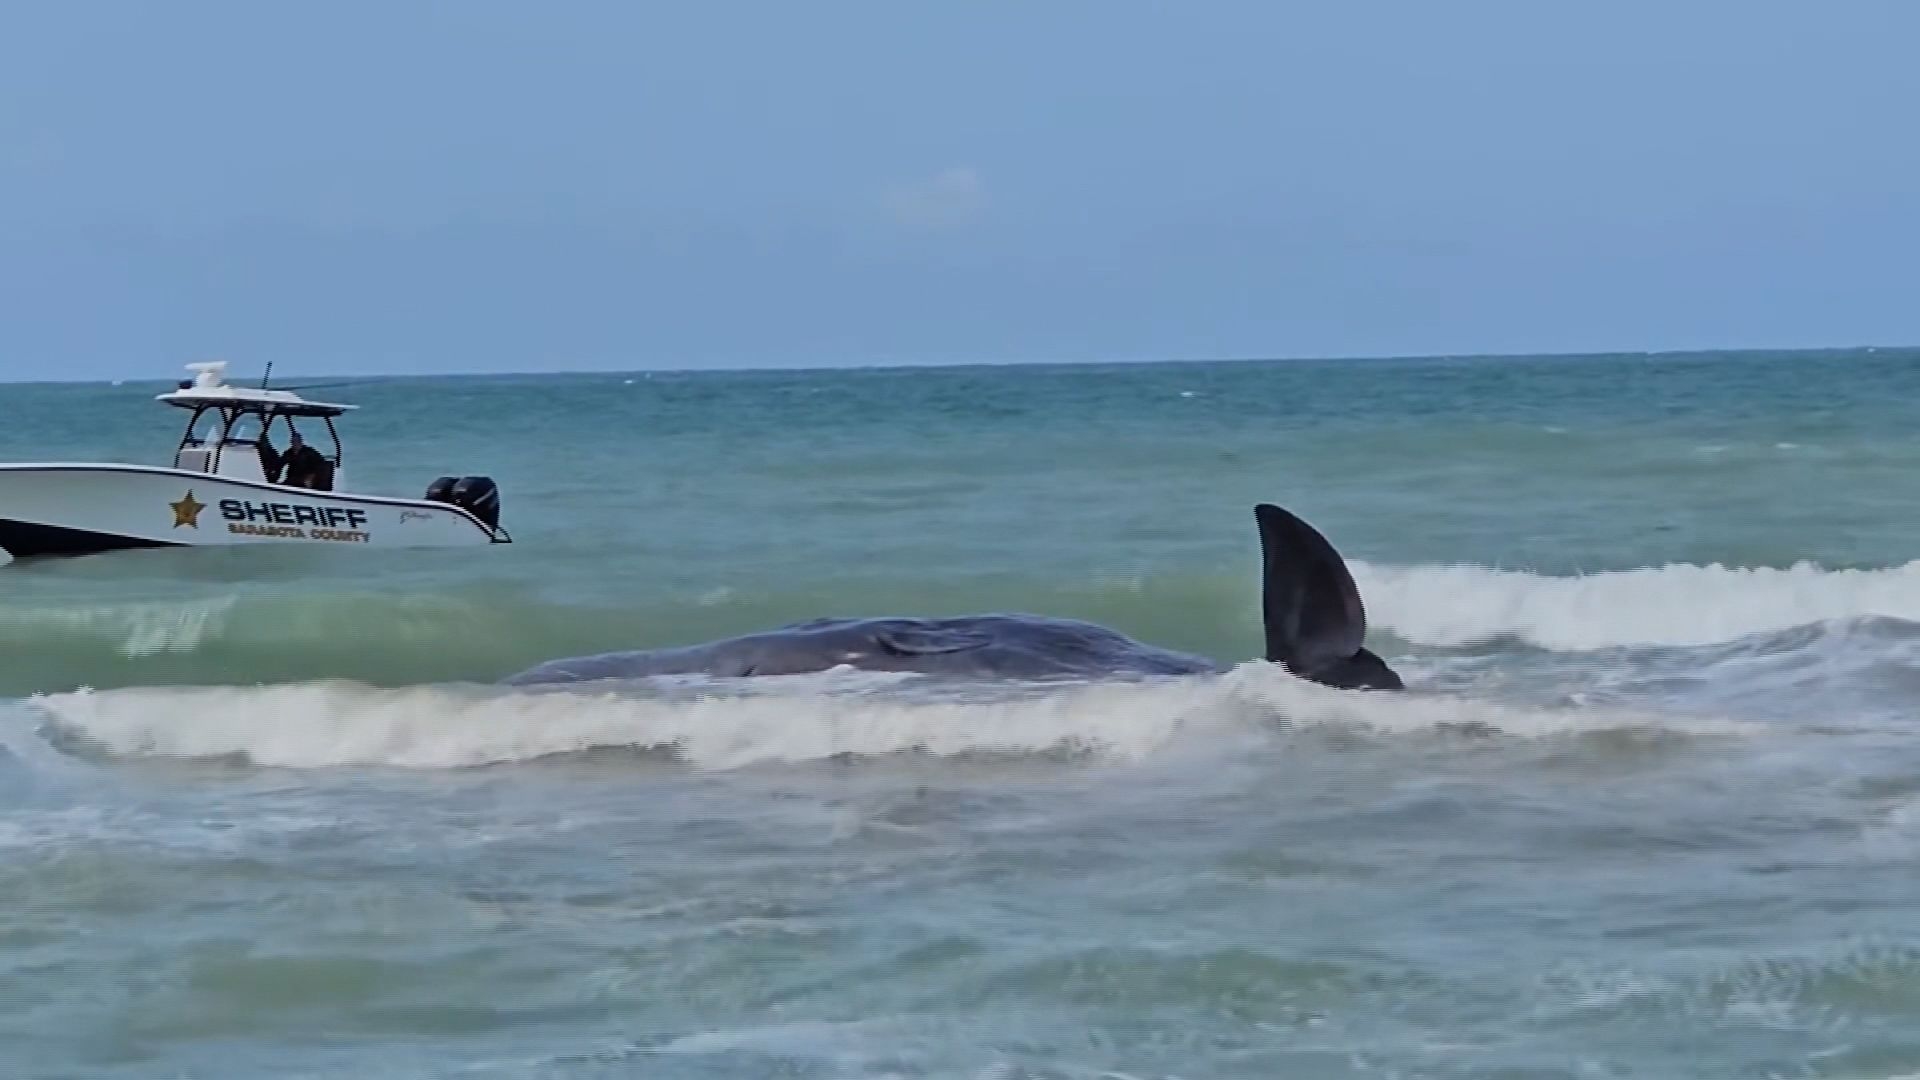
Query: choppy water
{"points": [[1652, 808]]}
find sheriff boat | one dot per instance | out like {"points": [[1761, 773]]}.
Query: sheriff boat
{"points": [[235, 479]]}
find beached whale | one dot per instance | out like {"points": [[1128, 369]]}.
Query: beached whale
{"points": [[1315, 625]]}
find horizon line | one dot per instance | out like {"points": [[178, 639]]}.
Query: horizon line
{"points": [[963, 365]]}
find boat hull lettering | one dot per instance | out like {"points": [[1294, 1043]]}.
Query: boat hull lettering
{"points": [[228, 471], [60, 509], [279, 513]]}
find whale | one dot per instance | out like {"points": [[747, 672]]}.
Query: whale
{"points": [[1311, 611]]}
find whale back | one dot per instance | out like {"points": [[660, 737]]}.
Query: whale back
{"points": [[1316, 624]]}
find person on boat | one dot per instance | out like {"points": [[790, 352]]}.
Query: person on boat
{"points": [[305, 466], [270, 460]]}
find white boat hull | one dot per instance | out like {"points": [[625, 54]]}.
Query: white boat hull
{"points": [[82, 509]]}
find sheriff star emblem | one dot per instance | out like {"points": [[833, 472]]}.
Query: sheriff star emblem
{"points": [[187, 511]]}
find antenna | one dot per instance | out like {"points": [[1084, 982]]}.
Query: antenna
{"points": [[266, 374], [324, 385]]}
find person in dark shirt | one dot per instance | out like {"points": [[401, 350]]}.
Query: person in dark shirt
{"points": [[270, 460], [305, 467]]}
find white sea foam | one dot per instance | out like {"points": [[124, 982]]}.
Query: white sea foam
{"points": [[762, 721], [1675, 605]]}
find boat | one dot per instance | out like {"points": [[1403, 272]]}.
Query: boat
{"points": [[235, 479]]}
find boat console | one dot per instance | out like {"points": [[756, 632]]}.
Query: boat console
{"points": [[237, 431]]}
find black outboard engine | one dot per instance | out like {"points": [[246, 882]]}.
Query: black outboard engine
{"points": [[481, 496], [478, 495]]}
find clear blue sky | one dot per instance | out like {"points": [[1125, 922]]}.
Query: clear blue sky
{"points": [[359, 186]]}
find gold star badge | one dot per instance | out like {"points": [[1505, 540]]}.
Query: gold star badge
{"points": [[187, 511]]}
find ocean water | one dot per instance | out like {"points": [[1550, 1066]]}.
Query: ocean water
{"points": [[1650, 808]]}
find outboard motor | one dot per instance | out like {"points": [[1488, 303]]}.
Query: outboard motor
{"points": [[481, 496], [478, 495]]}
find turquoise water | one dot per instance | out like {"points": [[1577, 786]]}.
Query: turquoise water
{"points": [[1651, 808]]}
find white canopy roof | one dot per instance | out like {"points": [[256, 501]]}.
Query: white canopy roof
{"points": [[209, 387]]}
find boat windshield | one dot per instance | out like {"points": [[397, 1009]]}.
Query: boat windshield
{"points": [[245, 429], [205, 428], [213, 426]]}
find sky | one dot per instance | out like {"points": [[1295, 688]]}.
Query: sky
{"points": [[367, 186]]}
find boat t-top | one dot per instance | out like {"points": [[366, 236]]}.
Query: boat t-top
{"points": [[244, 472]]}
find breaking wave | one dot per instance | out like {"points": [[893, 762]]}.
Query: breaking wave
{"points": [[134, 630], [1676, 605], [479, 635], [766, 721]]}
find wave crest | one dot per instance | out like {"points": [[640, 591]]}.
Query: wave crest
{"points": [[1673, 605], [481, 634], [760, 721]]}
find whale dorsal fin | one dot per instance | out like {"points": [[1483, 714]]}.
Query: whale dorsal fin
{"points": [[1314, 619]]}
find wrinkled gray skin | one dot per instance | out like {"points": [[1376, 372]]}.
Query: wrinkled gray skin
{"points": [[986, 646], [1311, 608]]}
